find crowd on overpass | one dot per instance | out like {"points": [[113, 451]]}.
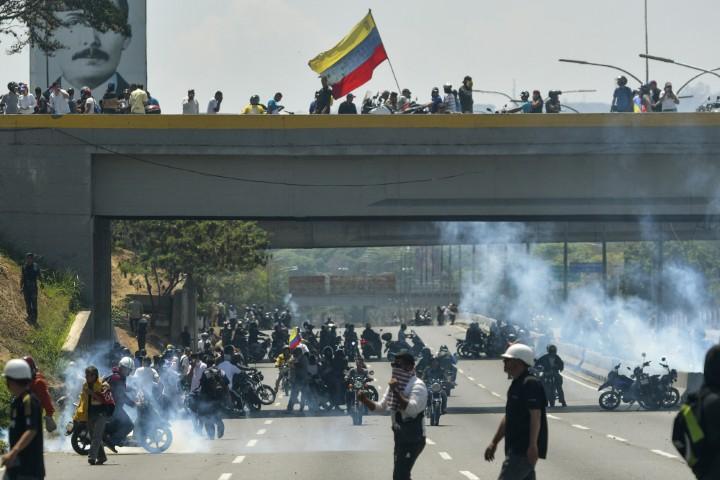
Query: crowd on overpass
{"points": [[137, 100]]}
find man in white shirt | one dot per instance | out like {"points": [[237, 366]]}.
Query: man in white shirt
{"points": [[59, 100], [185, 362], [214, 104], [196, 370], [190, 104], [405, 399], [227, 367], [87, 102], [26, 102], [146, 377]]}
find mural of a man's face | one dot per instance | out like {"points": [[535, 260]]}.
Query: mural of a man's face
{"points": [[90, 57]]}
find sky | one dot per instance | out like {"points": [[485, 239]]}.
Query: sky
{"points": [[244, 47]]}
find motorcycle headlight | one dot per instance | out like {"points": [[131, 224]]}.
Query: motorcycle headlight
{"points": [[69, 428], [436, 387], [358, 385]]}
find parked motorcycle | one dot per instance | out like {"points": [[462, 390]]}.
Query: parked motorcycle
{"points": [[672, 395], [619, 392], [151, 431]]}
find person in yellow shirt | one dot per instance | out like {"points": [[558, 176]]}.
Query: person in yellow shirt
{"points": [[138, 99], [281, 363], [92, 409], [254, 107]]}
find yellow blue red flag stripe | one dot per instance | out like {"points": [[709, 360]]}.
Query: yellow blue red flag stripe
{"points": [[351, 62]]}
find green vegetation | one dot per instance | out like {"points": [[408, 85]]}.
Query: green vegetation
{"points": [[57, 303], [168, 253], [32, 21]]}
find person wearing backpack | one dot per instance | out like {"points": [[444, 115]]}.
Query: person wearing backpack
{"points": [[696, 432], [96, 406], [213, 393]]}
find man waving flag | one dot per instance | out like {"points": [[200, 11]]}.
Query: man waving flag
{"points": [[351, 62]]}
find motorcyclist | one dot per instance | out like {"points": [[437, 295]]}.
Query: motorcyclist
{"points": [[447, 362], [552, 364], [39, 388], [350, 335], [436, 372], [424, 361], [552, 105], [474, 335], [402, 336], [436, 101], [120, 425]]}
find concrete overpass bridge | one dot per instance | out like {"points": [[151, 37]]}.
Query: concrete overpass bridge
{"points": [[63, 179]]}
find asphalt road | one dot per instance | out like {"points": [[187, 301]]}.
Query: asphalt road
{"points": [[585, 442]]}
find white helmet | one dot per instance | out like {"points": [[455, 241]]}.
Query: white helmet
{"points": [[521, 352], [17, 369], [127, 362]]}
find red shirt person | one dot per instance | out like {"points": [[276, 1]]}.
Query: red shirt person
{"points": [[39, 387]]}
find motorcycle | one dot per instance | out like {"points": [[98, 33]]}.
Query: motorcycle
{"points": [[371, 348], [672, 395], [359, 384], [259, 350], [392, 347], [434, 407], [264, 392], [620, 390], [244, 394], [467, 350], [351, 350], [151, 432]]}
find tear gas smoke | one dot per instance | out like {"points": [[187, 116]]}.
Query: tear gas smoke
{"points": [[518, 287]]}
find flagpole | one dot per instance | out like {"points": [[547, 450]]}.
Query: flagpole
{"points": [[388, 56]]}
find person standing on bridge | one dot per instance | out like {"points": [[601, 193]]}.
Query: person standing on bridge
{"points": [[406, 399], [190, 104], [29, 286], [524, 426]]}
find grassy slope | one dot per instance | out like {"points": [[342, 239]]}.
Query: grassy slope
{"points": [[56, 307]]}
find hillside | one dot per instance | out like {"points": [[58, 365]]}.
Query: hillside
{"points": [[57, 301]]}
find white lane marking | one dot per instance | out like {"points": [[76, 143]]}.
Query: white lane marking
{"points": [[429, 442], [277, 404], [582, 384], [262, 431], [553, 417], [239, 459], [495, 394], [617, 439], [225, 476], [469, 475], [664, 454], [460, 370], [481, 385], [580, 427], [445, 455], [252, 443], [268, 422], [471, 379]]}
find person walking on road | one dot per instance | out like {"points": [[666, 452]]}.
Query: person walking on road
{"points": [[524, 426], [94, 409], [135, 312], [29, 286], [24, 460], [406, 399], [39, 387]]}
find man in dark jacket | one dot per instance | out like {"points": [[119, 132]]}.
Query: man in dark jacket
{"points": [[120, 424], [708, 468], [29, 286], [552, 364], [348, 107]]}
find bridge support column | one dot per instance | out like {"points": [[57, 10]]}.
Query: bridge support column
{"points": [[102, 279], [604, 264], [565, 268]]}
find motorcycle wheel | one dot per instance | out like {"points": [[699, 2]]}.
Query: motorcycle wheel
{"points": [[672, 397], [435, 419], [464, 352], [373, 393], [156, 440], [80, 443], [267, 394], [357, 416], [609, 400]]}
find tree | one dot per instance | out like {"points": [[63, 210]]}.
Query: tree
{"points": [[166, 253], [33, 21]]}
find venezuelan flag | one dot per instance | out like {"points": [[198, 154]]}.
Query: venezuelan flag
{"points": [[351, 62], [294, 339]]}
